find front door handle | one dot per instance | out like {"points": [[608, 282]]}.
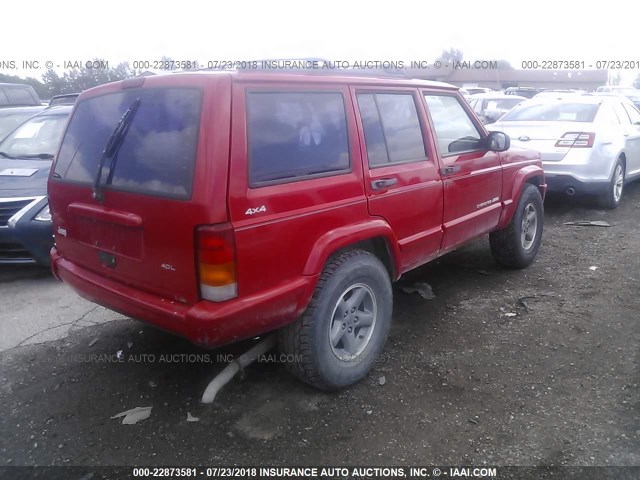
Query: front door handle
{"points": [[383, 183], [450, 169]]}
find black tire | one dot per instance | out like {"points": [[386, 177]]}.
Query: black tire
{"points": [[307, 343], [507, 245], [611, 199]]}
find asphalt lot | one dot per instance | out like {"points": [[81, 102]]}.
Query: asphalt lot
{"points": [[532, 367]]}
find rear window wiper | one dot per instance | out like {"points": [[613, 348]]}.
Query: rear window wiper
{"points": [[6, 155], [113, 144]]}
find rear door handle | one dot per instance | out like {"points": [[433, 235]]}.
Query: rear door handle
{"points": [[383, 183], [450, 169]]}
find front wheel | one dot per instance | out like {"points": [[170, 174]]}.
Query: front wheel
{"points": [[516, 245], [339, 337]]}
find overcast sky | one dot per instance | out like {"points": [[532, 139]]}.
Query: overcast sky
{"points": [[337, 30]]}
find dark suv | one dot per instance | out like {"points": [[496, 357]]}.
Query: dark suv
{"points": [[225, 205]]}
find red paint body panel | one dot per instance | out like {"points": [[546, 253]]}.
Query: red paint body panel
{"points": [[283, 233]]}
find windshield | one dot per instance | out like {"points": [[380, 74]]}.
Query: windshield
{"points": [[39, 136], [9, 122], [553, 112]]}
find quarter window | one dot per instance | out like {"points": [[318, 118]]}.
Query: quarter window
{"points": [[455, 131], [296, 135], [391, 128]]}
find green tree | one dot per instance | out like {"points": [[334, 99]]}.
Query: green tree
{"points": [[450, 56], [80, 79]]}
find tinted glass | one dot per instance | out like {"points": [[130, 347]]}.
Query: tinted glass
{"points": [[373, 134], [455, 131], [3, 98], [553, 112], [20, 96], [401, 127], [38, 136], [158, 153], [295, 135]]}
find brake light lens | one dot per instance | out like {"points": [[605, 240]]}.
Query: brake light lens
{"points": [[216, 256], [577, 140]]}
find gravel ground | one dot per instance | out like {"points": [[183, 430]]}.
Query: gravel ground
{"points": [[531, 367]]}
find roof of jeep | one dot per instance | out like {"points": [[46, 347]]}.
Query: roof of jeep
{"points": [[173, 80]]}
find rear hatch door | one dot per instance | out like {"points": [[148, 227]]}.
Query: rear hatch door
{"points": [[167, 177]]}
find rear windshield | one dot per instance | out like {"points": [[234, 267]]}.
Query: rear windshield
{"points": [[553, 112], [158, 153], [40, 135]]}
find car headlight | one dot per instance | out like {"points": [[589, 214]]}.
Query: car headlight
{"points": [[44, 215]]}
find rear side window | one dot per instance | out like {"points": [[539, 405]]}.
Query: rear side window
{"points": [[20, 96], [296, 135], [634, 115], [158, 153], [391, 128]]}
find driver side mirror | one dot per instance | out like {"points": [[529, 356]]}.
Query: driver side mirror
{"points": [[498, 141]]}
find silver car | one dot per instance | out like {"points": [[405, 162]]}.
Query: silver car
{"points": [[491, 106], [588, 144]]}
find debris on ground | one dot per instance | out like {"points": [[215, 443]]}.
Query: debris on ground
{"points": [[586, 223], [119, 354], [510, 314], [523, 303], [191, 418], [93, 342], [152, 384], [593, 267], [472, 420], [134, 415], [382, 380], [484, 272], [129, 344], [421, 288]]}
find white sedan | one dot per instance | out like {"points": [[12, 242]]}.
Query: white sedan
{"points": [[588, 144]]}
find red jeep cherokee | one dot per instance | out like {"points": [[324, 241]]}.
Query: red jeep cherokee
{"points": [[225, 205]]}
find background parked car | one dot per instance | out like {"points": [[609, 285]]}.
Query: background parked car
{"points": [[491, 106], [10, 118], [26, 155], [557, 94], [63, 99], [632, 94], [477, 90], [528, 92], [18, 95], [588, 144]]}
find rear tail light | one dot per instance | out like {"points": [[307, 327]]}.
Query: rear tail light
{"points": [[576, 140], [216, 256]]}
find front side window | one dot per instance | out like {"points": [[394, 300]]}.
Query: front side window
{"points": [[392, 130], [295, 135], [157, 155], [455, 130]]}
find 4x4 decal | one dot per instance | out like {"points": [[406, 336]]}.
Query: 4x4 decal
{"points": [[253, 211]]}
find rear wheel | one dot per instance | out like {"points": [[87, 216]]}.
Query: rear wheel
{"points": [[337, 340], [516, 245], [611, 199]]}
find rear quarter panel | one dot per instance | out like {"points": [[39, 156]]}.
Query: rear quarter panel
{"points": [[274, 244]]}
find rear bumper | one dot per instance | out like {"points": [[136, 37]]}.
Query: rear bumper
{"points": [[562, 183], [204, 323]]}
